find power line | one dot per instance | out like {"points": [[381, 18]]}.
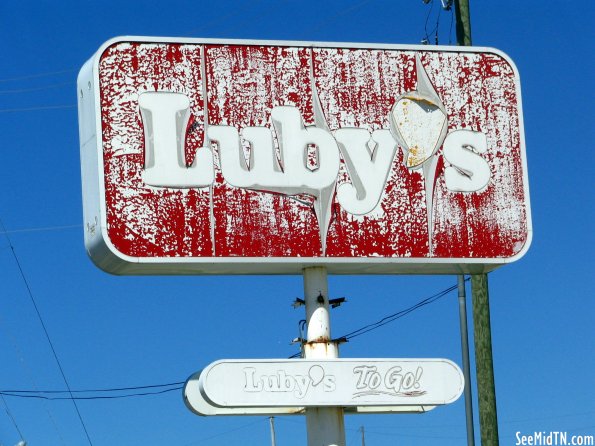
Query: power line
{"points": [[250, 5], [35, 76], [86, 398], [426, 38], [447, 6], [115, 389], [41, 229], [392, 317], [42, 394], [47, 335], [360, 331], [29, 372], [43, 107], [399, 314], [11, 417], [45, 87], [450, 28]]}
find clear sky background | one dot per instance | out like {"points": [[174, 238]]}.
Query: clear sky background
{"points": [[117, 332]]}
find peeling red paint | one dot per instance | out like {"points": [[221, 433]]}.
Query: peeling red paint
{"points": [[357, 88]]}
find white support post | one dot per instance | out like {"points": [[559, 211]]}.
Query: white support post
{"points": [[325, 425]]}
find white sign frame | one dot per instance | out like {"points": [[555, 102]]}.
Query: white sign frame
{"points": [[197, 404], [109, 258], [272, 383]]}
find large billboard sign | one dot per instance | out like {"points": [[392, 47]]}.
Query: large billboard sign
{"points": [[223, 157]]}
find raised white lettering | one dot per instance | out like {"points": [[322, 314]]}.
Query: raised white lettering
{"points": [[290, 175], [368, 171], [291, 169], [165, 117], [251, 385], [468, 171], [303, 382], [281, 381]]}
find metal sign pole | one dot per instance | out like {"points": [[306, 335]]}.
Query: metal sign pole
{"points": [[466, 362], [325, 425], [273, 436]]}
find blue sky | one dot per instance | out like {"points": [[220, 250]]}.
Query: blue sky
{"points": [[114, 332]]}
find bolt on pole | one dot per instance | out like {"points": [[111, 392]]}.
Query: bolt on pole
{"points": [[325, 425]]}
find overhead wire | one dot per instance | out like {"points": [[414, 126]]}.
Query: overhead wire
{"points": [[41, 229], [437, 27], [9, 414], [393, 317], [452, 15], [45, 330], [50, 395], [71, 106], [33, 89], [426, 38], [43, 107], [28, 372], [358, 332], [115, 389], [86, 398], [28, 90], [38, 75]]}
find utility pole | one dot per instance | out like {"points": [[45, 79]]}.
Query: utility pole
{"points": [[363, 436], [486, 390], [463, 19]]}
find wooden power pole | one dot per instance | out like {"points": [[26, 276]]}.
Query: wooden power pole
{"points": [[463, 22], [482, 337]]}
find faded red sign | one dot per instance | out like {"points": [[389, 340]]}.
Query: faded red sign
{"points": [[266, 157]]}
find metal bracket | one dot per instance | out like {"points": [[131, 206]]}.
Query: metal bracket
{"points": [[334, 303]]}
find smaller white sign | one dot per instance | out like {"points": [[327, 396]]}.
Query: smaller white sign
{"points": [[336, 382], [197, 404]]}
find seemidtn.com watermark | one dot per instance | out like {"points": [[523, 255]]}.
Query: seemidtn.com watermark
{"points": [[553, 438]]}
